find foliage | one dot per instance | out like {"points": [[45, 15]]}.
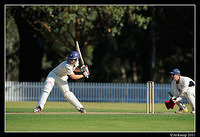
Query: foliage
{"points": [[116, 41], [12, 49]]}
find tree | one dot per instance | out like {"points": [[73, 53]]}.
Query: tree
{"points": [[175, 40], [31, 48], [119, 43], [55, 28]]}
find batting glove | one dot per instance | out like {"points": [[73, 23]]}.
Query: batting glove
{"points": [[86, 74], [84, 68], [85, 71]]}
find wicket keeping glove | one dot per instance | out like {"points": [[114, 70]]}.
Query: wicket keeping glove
{"points": [[172, 103], [167, 104]]}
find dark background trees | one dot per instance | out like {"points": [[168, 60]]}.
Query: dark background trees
{"points": [[119, 43]]}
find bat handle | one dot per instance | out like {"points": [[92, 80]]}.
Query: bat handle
{"points": [[87, 71]]}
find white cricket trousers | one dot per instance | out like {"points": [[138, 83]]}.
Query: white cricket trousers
{"points": [[51, 79], [190, 96]]}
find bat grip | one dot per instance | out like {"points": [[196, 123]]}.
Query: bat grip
{"points": [[87, 71]]}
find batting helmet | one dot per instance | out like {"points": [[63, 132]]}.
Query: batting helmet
{"points": [[73, 55]]}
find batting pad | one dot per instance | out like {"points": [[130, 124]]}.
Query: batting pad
{"points": [[43, 99], [70, 97]]}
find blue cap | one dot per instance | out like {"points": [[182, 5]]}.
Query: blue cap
{"points": [[175, 71]]}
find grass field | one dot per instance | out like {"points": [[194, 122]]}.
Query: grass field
{"points": [[100, 117]]}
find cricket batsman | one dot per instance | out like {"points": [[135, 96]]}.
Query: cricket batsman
{"points": [[59, 75], [182, 87]]}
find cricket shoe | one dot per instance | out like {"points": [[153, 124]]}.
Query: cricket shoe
{"points": [[37, 110], [185, 110], [82, 110], [193, 112]]}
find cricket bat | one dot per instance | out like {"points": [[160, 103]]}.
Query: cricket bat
{"points": [[79, 52]]}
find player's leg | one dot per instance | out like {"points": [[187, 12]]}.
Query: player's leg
{"points": [[182, 107], [190, 95], [69, 96], [47, 87]]}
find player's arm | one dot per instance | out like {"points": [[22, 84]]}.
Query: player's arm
{"points": [[73, 76], [184, 90], [85, 72], [77, 69]]}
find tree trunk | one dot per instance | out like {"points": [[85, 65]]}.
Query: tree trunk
{"points": [[31, 50], [153, 51], [134, 69]]}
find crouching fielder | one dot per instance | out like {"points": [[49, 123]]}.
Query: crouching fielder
{"points": [[59, 75], [182, 87]]}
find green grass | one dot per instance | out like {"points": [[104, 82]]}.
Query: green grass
{"points": [[157, 122]]}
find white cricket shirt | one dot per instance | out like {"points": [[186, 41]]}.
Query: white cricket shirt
{"points": [[65, 68], [182, 87]]}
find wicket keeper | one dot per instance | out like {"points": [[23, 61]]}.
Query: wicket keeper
{"points": [[59, 75], [182, 87]]}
